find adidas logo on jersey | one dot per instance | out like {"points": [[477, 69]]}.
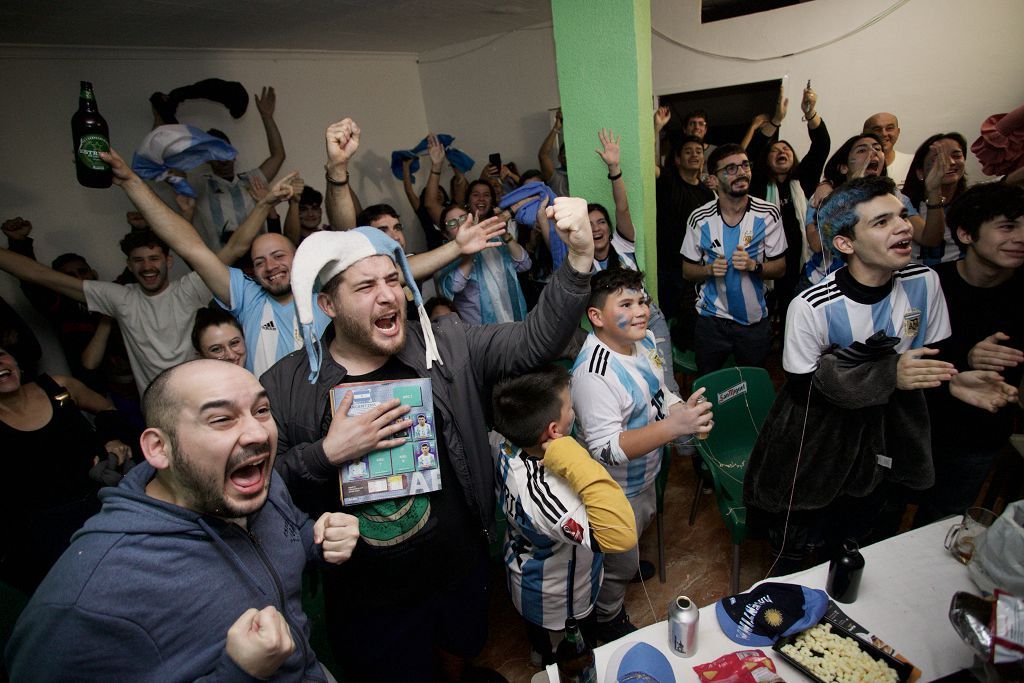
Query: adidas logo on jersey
{"points": [[269, 327]]}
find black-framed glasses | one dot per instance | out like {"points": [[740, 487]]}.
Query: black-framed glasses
{"points": [[733, 169]]}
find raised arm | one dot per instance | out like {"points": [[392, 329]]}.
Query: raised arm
{"points": [[932, 230], [342, 139], [610, 154], [266, 199], [266, 103], [661, 118], [547, 166], [430, 198], [29, 270], [473, 237], [410, 191], [292, 227]]}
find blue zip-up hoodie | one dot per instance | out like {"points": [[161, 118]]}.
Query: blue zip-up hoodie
{"points": [[148, 590]]}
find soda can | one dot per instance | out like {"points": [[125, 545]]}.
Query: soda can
{"points": [[682, 626], [702, 435]]}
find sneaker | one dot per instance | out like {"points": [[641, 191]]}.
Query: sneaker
{"points": [[645, 573], [607, 631]]}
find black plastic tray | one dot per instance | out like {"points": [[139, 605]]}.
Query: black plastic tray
{"points": [[902, 669]]}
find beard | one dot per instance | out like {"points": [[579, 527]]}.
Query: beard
{"points": [[276, 289], [360, 333], [201, 490], [736, 194]]}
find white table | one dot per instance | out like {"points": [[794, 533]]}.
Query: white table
{"points": [[904, 598]]}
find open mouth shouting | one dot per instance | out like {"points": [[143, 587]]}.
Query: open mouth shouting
{"points": [[250, 477], [387, 324]]}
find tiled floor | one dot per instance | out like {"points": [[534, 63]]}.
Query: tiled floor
{"points": [[697, 565]]}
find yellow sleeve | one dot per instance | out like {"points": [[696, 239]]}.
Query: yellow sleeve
{"points": [[611, 517]]}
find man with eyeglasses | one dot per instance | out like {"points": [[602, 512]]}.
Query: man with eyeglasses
{"points": [[732, 245]]}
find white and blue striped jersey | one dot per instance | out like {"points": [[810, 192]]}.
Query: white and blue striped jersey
{"points": [[548, 551], [832, 312], [739, 296], [613, 393], [949, 250], [223, 205], [271, 328]]}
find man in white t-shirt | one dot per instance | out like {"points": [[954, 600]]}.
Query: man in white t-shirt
{"points": [[897, 164], [732, 245], [224, 198], [155, 315]]}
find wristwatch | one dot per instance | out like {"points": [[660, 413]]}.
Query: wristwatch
{"points": [[758, 267]]}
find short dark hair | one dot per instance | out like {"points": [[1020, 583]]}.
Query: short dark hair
{"points": [[217, 133], [372, 213], [161, 405], [142, 238], [525, 405], [687, 139], [721, 152], [695, 114], [607, 282], [838, 213], [530, 175], [65, 259], [981, 203], [210, 316], [310, 197], [435, 301]]}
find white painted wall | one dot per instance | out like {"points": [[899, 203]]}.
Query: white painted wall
{"points": [[495, 98], [380, 91], [939, 65]]}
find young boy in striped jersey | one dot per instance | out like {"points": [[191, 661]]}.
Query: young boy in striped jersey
{"points": [[563, 509], [851, 419], [626, 415]]}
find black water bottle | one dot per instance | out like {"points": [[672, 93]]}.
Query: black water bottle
{"points": [[575, 658], [844, 573], [90, 136]]}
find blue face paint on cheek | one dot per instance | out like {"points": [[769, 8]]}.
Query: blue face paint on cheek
{"points": [[622, 321]]}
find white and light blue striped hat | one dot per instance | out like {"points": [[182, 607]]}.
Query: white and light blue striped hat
{"points": [[323, 255]]}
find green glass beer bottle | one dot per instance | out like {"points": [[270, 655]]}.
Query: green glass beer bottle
{"points": [[90, 136]]}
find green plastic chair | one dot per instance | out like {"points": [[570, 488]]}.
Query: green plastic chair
{"points": [[740, 398]]}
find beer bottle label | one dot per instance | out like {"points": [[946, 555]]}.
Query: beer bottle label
{"points": [[89, 148]]}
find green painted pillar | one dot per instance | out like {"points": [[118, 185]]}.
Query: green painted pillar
{"points": [[603, 54]]}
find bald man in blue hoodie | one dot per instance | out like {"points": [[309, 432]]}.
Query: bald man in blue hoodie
{"points": [[192, 569]]}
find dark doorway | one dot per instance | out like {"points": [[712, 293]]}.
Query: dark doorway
{"points": [[729, 109], [716, 10]]}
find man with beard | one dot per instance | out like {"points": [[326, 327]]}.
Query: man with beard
{"points": [[419, 577], [732, 244], [155, 315], [263, 303], [187, 573]]}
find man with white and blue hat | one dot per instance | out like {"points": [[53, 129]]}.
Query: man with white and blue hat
{"points": [[413, 600]]}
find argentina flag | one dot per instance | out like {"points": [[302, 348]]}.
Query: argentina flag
{"points": [[178, 147]]}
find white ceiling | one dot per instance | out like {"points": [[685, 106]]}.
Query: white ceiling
{"points": [[361, 25]]}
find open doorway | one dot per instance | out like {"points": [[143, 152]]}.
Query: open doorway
{"points": [[729, 109]]}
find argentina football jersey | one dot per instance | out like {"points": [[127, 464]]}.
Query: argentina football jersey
{"points": [[839, 311], [613, 393], [738, 296]]}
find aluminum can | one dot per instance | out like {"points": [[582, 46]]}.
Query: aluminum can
{"points": [[702, 435], [682, 626]]}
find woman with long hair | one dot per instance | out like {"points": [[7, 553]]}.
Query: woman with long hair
{"points": [[935, 179]]}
